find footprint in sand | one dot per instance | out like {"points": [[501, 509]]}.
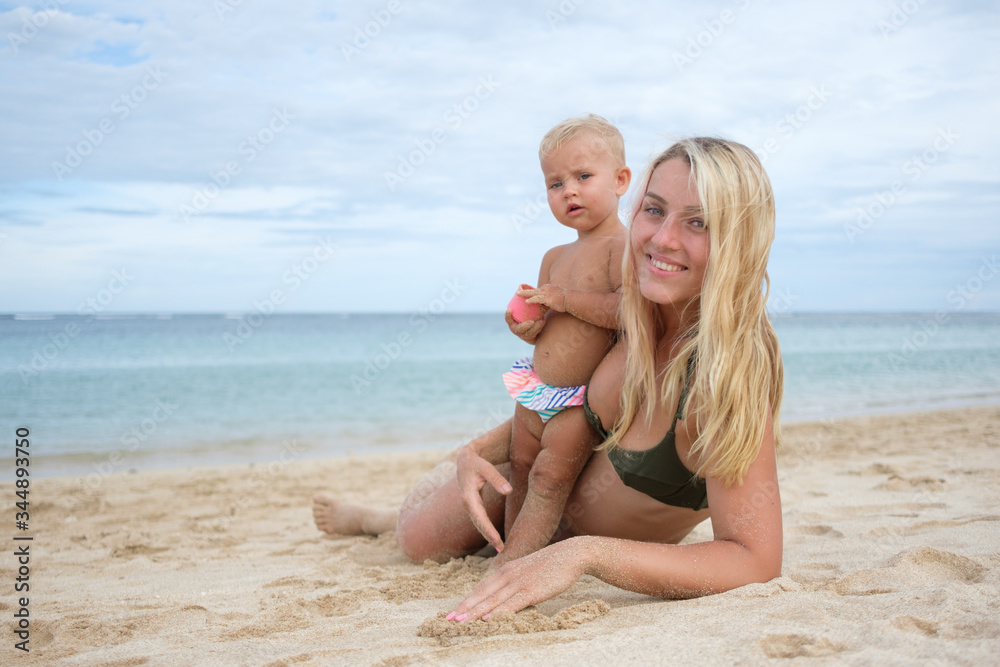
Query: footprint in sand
{"points": [[132, 549], [898, 483], [817, 530], [41, 634], [878, 469], [910, 570], [452, 579], [193, 617], [797, 646], [87, 631], [916, 625], [298, 582], [896, 532], [298, 614]]}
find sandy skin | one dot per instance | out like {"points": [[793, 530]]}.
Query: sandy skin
{"points": [[623, 537], [339, 518]]}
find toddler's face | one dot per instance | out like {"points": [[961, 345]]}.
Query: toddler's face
{"points": [[583, 182]]}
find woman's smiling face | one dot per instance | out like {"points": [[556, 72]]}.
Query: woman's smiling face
{"points": [[669, 238]]}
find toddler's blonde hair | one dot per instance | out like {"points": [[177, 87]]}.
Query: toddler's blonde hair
{"points": [[574, 127]]}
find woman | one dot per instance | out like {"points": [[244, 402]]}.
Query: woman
{"points": [[687, 402]]}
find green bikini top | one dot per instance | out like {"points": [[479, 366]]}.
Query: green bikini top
{"points": [[658, 472]]}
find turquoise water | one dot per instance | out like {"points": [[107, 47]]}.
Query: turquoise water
{"points": [[144, 391]]}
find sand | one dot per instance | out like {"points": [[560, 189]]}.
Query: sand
{"points": [[892, 556]]}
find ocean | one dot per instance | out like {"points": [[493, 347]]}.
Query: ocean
{"points": [[117, 393]]}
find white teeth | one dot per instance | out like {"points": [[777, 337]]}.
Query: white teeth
{"points": [[663, 266]]}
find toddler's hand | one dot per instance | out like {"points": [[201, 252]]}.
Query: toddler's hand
{"points": [[549, 295], [527, 331]]}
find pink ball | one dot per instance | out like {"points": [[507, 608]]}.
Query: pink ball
{"points": [[522, 311]]}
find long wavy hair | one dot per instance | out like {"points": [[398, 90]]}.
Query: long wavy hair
{"points": [[738, 374]]}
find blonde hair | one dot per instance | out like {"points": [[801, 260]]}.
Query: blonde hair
{"points": [[573, 127], [738, 374]]}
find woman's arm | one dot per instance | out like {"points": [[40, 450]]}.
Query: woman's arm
{"points": [[746, 520], [747, 544]]}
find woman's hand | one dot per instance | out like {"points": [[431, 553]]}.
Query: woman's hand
{"points": [[473, 473], [525, 581]]}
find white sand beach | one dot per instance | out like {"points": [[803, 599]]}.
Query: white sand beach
{"points": [[892, 556]]}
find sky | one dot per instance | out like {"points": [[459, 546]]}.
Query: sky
{"points": [[239, 155]]}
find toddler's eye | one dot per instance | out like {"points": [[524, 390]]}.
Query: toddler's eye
{"points": [[584, 177], [555, 185]]}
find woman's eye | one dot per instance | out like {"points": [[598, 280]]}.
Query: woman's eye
{"points": [[699, 224], [654, 211]]}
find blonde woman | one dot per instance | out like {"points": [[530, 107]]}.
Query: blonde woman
{"points": [[686, 405], [688, 401]]}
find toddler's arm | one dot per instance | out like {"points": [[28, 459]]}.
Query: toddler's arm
{"points": [[529, 330], [598, 308]]}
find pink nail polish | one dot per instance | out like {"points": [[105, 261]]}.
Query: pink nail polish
{"points": [[461, 618], [450, 616]]}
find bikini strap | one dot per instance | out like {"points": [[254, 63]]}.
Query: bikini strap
{"points": [[684, 392]]}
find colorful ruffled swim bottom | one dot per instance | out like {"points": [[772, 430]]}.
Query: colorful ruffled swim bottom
{"points": [[524, 387]]}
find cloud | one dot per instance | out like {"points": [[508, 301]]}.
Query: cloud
{"points": [[408, 131]]}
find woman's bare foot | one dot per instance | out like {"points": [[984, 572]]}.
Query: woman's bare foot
{"points": [[338, 518]]}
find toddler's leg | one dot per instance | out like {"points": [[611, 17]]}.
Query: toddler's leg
{"points": [[566, 444], [525, 444]]}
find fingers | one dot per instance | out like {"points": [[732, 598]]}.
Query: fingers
{"points": [[495, 479], [535, 329], [527, 331], [485, 527], [502, 591], [477, 511], [487, 598], [524, 582]]}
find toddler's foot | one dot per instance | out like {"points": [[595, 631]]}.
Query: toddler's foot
{"points": [[336, 518]]}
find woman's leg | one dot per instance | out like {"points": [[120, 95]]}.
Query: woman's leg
{"points": [[433, 520], [337, 518]]}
